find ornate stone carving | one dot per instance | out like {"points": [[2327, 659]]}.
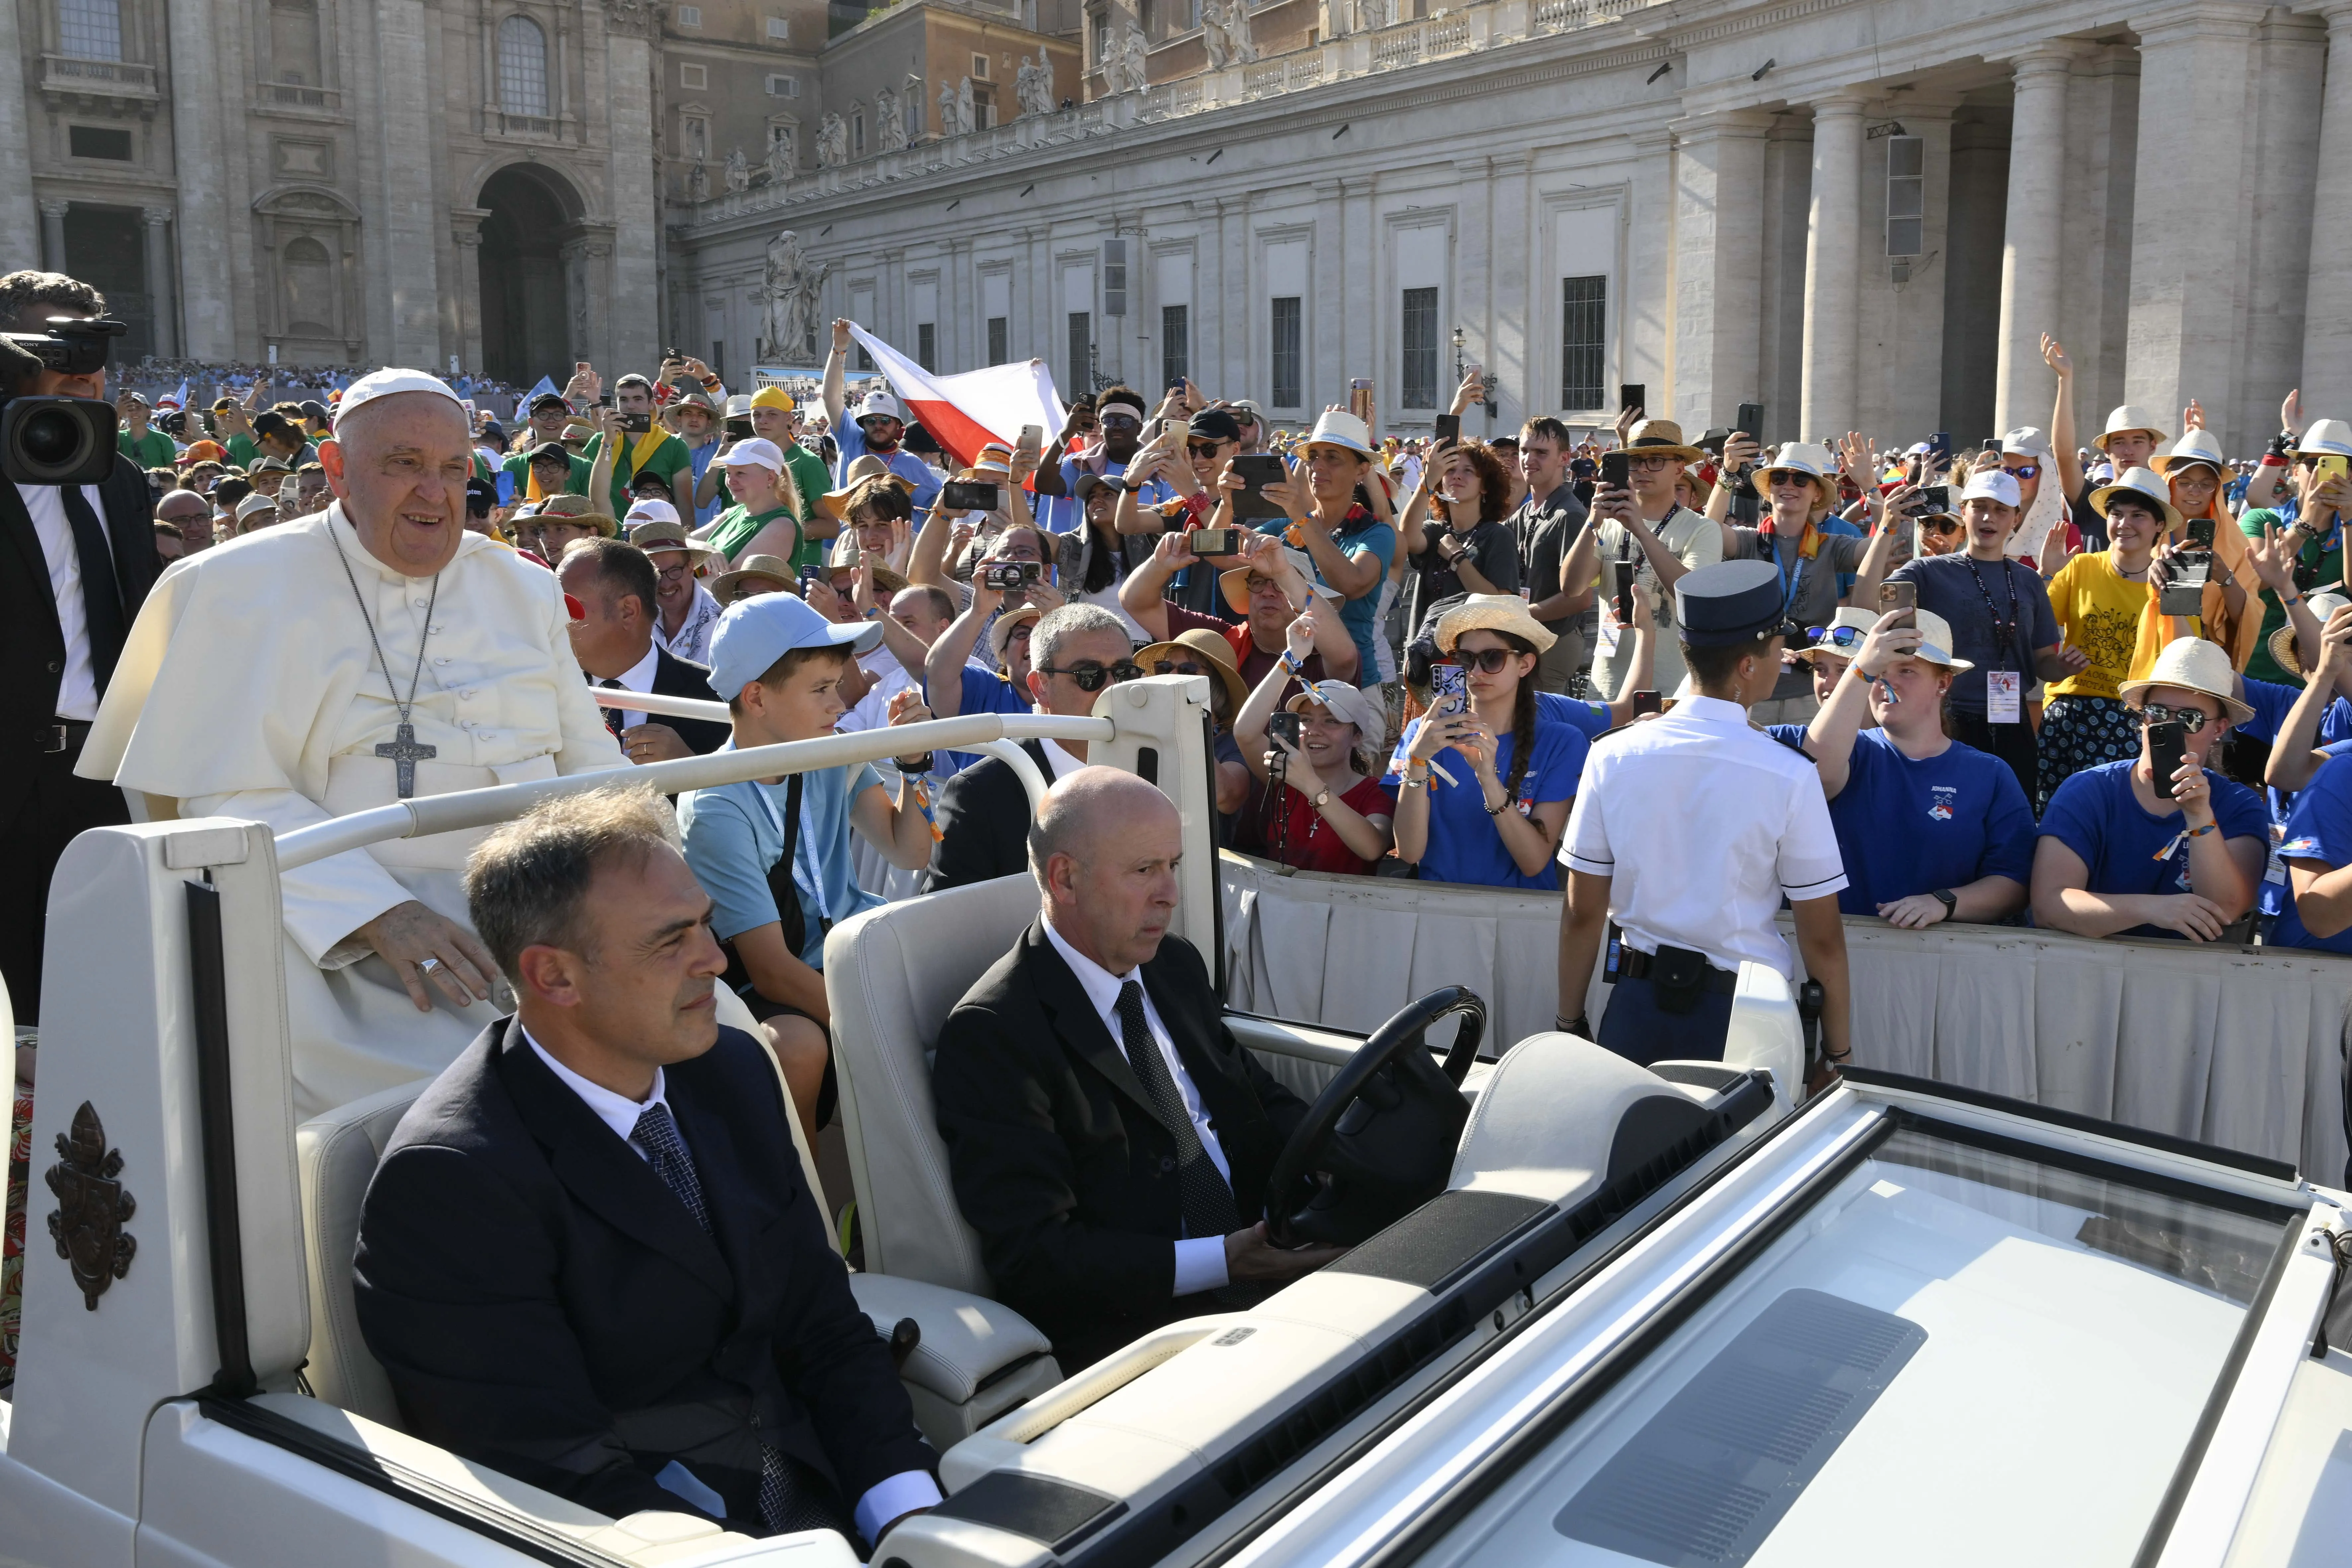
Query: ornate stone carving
{"points": [[1123, 68], [635, 17], [790, 288], [93, 1207], [889, 122], [832, 142], [1226, 32], [697, 182], [738, 170], [783, 153], [967, 117], [1033, 84]]}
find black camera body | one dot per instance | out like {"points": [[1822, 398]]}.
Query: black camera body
{"points": [[1006, 575], [59, 440], [72, 345]]}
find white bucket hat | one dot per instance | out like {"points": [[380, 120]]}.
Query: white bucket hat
{"points": [[2194, 447], [1337, 428], [1994, 485], [1810, 458], [2326, 437], [879, 404], [2141, 484], [2193, 665], [1842, 638], [2127, 416], [2025, 441]]}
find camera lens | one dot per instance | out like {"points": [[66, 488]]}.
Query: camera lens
{"points": [[53, 441], [52, 437]]}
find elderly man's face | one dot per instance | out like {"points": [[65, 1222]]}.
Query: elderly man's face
{"points": [[1115, 893], [400, 470]]}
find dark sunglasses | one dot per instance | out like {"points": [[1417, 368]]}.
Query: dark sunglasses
{"points": [[1202, 448], [1835, 637], [2191, 720], [1129, 420], [1939, 525], [1170, 667], [2026, 470], [1094, 677], [1488, 660]]}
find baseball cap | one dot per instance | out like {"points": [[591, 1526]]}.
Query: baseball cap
{"points": [[391, 384], [651, 509], [1087, 484], [757, 452], [2025, 441], [547, 399], [1216, 424], [549, 452], [1994, 485], [754, 633], [314, 409]]}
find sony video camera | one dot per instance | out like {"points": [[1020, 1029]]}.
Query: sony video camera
{"points": [[58, 441]]}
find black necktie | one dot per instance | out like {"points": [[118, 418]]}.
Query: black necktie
{"points": [[1206, 1199], [656, 1135], [102, 602], [613, 715]]}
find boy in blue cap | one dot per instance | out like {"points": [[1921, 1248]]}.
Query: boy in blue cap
{"points": [[773, 854]]}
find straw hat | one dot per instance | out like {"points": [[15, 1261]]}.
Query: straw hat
{"points": [[888, 580], [1493, 612], [1337, 428], [2283, 649], [1207, 645], [2193, 447], [1345, 703], [2139, 484], [1233, 582], [2194, 664], [581, 510], [834, 504], [766, 568], [2325, 438], [1808, 458], [1935, 642], [652, 536], [1662, 434], [2125, 417], [1002, 632]]}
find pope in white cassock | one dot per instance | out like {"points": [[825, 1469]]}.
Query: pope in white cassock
{"points": [[299, 673]]}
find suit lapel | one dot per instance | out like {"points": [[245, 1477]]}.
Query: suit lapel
{"points": [[1075, 1019], [603, 1173]]}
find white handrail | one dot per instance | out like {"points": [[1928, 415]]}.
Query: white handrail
{"points": [[1024, 768], [704, 707], [499, 803]]}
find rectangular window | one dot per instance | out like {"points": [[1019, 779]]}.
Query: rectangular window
{"points": [[717, 361], [865, 360], [780, 29], [90, 30], [1175, 341], [1420, 348], [1082, 351], [927, 346], [1907, 194], [1584, 341], [980, 68], [693, 76], [689, 16], [781, 86], [1000, 346], [857, 135], [1114, 278], [99, 141], [1285, 321], [983, 109]]}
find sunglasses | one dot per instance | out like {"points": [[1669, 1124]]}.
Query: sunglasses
{"points": [[1128, 421], [1835, 637], [2191, 720], [2026, 470], [1939, 525], [1170, 667], [1094, 677], [1487, 660], [1202, 448]]}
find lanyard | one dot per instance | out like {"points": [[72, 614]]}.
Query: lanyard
{"points": [[814, 885], [1791, 579], [2004, 633]]}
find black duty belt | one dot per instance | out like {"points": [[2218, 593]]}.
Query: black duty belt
{"points": [[1676, 970], [65, 735]]}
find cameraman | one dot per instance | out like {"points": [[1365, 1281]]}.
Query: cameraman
{"points": [[65, 624]]}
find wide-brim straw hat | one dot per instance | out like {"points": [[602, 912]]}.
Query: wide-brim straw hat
{"points": [[1493, 612], [888, 580], [1654, 436], [2143, 485], [2125, 417], [1002, 631], [1345, 703], [581, 510], [1935, 642], [769, 568], [2194, 447], [1206, 646], [2326, 438], [1234, 581], [2283, 649], [834, 504], [1808, 460], [2192, 664], [652, 536]]}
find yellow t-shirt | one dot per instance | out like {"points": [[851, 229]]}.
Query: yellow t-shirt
{"points": [[2099, 613]]}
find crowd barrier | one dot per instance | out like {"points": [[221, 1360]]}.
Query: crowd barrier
{"points": [[2242, 1048]]}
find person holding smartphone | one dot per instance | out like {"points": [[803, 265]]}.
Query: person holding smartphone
{"points": [[2311, 518], [2159, 845], [1641, 530], [1321, 807]]}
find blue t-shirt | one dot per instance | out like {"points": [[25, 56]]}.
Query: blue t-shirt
{"points": [[1906, 827], [1591, 720], [984, 691], [1368, 534], [850, 441], [1463, 844], [1793, 737], [2318, 828], [735, 835], [2270, 700], [2096, 815], [1975, 598]]}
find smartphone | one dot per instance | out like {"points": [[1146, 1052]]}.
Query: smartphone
{"points": [[1033, 438], [1207, 541], [2200, 533], [1449, 688], [739, 429], [2167, 748], [1257, 470], [811, 575], [1648, 702], [1939, 448], [671, 354], [970, 495], [1633, 394], [1449, 427], [1360, 398], [1938, 496], [1902, 596], [1751, 420], [1616, 470], [605, 401], [1284, 727], [579, 365], [636, 424], [2330, 467]]}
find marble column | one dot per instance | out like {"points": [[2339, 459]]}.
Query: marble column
{"points": [[2033, 234], [2290, 57], [20, 226], [636, 235], [53, 234], [1718, 264], [1325, 367], [209, 277], [465, 236], [1646, 354], [1832, 269], [2327, 309], [163, 306]]}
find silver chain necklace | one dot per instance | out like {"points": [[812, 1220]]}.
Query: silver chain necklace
{"points": [[404, 750]]}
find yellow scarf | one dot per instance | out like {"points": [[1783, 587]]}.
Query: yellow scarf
{"points": [[647, 446]]}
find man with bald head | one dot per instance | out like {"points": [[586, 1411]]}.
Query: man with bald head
{"points": [[369, 652], [1107, 1136]]}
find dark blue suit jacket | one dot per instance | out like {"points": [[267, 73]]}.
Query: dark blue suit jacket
{"points": [[544, 1305]]}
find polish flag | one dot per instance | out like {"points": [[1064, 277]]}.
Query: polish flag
{"points": [[963, 413]]}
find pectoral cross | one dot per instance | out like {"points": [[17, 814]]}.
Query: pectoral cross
{"points": [[405, 753]]}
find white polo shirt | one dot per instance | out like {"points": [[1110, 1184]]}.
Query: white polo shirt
{"points": [[1702, 822]]}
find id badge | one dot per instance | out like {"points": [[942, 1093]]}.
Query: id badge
{"points": [[1609, 631], [2004, 696]]}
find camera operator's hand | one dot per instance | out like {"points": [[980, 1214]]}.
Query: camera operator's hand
{"points": [[1299, 636], [1043, 597], [1081, 420], [1291, 762], [1914, 913], [1433, 736], [2335, 644], [1293, 494], [2192, 791], [2196, 918]]}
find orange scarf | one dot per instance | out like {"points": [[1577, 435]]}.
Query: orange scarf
{"points": [[2213, 622]]}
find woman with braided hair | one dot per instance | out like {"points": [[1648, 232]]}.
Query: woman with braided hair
{"points": [[1496, 821]]}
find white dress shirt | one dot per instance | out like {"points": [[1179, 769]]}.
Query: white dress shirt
{"points": [[1200, 1259], [639, 677], [883, 1501], [77, 688], [1060, 765], [1702, 822]]}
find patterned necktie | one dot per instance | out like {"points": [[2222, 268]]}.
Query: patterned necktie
{"points": [[656, 1135], [101, 600], [613, 715], [1206, 1200]]}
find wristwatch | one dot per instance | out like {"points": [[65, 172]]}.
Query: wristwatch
{"points": [[1949, 899], [1323, 799]]}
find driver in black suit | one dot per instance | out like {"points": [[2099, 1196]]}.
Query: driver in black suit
{"points": [[1107, 1136]]}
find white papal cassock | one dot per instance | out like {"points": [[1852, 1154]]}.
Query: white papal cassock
{"points": [[250, 689]]}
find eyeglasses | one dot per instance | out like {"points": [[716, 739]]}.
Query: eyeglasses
{"points": [[1091, 677], [1939, 525], [671, 574], [2191, 720], [1649, 464], [1170, 667], [1487, 660]]}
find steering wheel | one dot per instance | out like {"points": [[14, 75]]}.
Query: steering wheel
{"points": [[1383, 1135]]}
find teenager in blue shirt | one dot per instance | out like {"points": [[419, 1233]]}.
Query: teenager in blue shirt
{"points": [[2318, 845], [1929, 829], [1498, 823], [2124, 854]]}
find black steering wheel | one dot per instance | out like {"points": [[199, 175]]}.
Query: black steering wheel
{"points": [[1381, 1136]]}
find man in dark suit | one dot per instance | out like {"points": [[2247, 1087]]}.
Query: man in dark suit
{"points": [[590, 1259], [982, 813], [1107, 1136], [614, 582], [76, 566]]}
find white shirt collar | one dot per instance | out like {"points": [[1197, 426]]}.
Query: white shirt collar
{"points": [[1060, 764], [1101, 986], [639, 677], [1712, 710], [617, 1112]]}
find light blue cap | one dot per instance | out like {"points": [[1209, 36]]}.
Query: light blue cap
{"points": [[756, 632]]}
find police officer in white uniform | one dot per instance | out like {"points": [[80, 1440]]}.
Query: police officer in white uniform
{"points": [[1687, 831]]}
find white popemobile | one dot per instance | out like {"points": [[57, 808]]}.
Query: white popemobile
{"points": [[1626, 1316]]}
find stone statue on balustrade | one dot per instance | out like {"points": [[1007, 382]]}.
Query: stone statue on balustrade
{"points": [[832, 142], [1225, 33], [889, 122], [790, 289], [697, 182], [783, 154], [738, 170], [967, 113], [1033, 84], [1124, 69]]}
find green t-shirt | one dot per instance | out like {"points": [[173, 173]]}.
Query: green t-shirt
{"points": [[810, 479], [242, 452], [519, 464], [733, 529], [665, 459], [152, 450], [2323, 556]]}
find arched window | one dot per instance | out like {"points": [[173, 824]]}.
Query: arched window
{"points": [[522, 67], [90, 30], [309, 274]]}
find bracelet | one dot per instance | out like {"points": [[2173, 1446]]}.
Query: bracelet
{"points": [[922, 764], [1290, 661], [1839, 1058], [1500, 806], [1413, 782], [1578, 1025], [2201, 832], [2291, 603]]}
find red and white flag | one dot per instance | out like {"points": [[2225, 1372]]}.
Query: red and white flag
{"points": [[964, 413]]}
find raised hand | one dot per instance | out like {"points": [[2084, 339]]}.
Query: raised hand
{"points": [[2055, 357]]}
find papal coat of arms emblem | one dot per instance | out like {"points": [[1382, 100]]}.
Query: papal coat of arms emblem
{"points": [[93, 1207]]}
